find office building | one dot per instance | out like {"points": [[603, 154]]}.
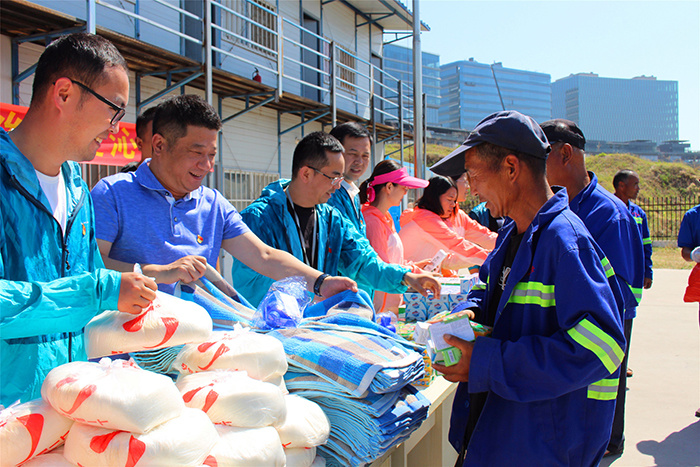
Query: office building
{"points": [[613, 109], [471, 90]]}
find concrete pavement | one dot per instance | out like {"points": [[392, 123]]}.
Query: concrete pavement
{"points": [[660, 425]]}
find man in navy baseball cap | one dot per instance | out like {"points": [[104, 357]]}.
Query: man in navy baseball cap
{"points": [[557, 340], [508, 129]]}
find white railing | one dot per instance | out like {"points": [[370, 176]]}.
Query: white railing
{"points": [[242, 187]]}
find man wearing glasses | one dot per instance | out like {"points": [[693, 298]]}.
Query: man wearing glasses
{"points": [[52, 279], [161, 216], [293, 216]]}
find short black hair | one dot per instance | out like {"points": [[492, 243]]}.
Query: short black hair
{"points": [[622, 176], [494, 155], [311, 151], [437, 186], [175, 114], [384, 167], [79, 56], [350, 129], [143, 119]]}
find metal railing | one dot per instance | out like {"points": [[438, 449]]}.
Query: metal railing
{"points": [[665, 214], [242, 187]]}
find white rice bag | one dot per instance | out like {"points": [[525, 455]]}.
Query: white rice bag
{"points": [[320, 461], [54, 458], [232, 398], [167, 322], [261, 356], [112, 394], [306, 424], [185, 440], [30, 429], [246, 447], [300, 457]]}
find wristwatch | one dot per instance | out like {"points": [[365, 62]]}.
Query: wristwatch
{"points": [[318, 283]]}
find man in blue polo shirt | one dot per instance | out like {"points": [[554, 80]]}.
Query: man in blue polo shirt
{"points": [[161, 216], [612, 227]]}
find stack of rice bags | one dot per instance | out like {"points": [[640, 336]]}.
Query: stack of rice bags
{"points": [[360, 375], [235, 377]]}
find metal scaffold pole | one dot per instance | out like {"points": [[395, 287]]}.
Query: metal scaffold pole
{"points": [[417, 94]]}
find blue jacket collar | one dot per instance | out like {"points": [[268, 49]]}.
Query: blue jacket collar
{"points": [[585, 193]]}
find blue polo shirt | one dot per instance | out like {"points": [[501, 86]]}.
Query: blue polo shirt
{"points": [[146, 224], [689, 233]]}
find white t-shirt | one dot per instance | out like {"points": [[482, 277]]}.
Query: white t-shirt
{"points": [[55, 190]]}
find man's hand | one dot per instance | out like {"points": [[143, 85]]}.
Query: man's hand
{"points": [[647, 282], [335, 284], [421, 283], [458, 373], [186, 269], [136, 292]]}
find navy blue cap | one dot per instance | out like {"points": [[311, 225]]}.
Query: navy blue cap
{"points": [[560, 130], [509, 129]]}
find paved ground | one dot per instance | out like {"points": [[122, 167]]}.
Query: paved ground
{"points": [[661, 427]]}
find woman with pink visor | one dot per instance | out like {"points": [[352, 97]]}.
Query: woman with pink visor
{"points": [[437, 223], [385, 188]]}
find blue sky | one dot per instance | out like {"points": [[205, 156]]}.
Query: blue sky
{"points": [[619, 39]]}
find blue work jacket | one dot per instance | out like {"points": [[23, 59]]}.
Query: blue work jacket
{"points": [[51, 282], [550, 367], [640, 217], [610, 223], [342, 250]]}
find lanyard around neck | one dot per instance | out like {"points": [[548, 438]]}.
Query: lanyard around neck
{"points": [[314, 239]]}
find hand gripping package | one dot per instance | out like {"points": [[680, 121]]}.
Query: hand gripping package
{"points": [[232, 398], [259, 355], [167, 322], [30, 429], [112, 394], [185, 440]]}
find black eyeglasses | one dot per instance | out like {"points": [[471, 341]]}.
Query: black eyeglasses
{"points": [[335, 181], [118, 111]]}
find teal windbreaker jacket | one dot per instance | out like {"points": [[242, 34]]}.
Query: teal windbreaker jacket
{"points": [[350, 208], [51, 283], [341, 249]]}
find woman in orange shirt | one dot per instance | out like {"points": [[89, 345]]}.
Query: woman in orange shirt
{"points": [[437, 223], [385, 188]]}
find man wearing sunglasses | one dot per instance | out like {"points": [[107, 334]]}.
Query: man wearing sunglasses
{"points": [[292, 215], [52, 279]]}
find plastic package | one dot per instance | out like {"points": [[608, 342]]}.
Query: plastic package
{"points": [[259, 355], [112, 394], [51, 459], [436, 261], [232, 398], [247, 447], [30, 429], [283, 305], [186, 440], [300, 457], [387, 320], [167, 322], [306, 424]]}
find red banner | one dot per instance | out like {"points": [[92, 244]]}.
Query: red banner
{"points": [[119, 149]]}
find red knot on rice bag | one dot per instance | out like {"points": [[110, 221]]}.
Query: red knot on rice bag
{"points": [[259, 355], [232, 398], [167, 322], [30, 429], [183, 441], [300, 457], [246, 447], [112, 394], [306, 424]]}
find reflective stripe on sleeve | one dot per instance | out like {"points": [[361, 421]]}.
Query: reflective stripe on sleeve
{"points": [[604, 390], [602, 345], [533, 293], [609, 271], [637, 291], [646, 241]]}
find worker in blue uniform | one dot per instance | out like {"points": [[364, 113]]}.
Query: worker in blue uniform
{"points": [[541, 389], [52, 279], [611, 225], [292, 215]]}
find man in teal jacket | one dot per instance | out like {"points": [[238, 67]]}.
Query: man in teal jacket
{"points": [[292, 216], [51, 277]]}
